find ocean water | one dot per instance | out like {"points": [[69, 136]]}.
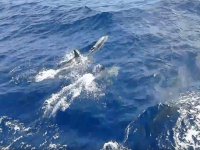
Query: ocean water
{"points": [[147, 97]]}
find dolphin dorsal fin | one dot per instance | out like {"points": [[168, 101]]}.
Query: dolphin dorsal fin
{"points": [[76, 53]]}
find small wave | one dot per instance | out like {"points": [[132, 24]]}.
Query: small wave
{"points": [[167, 126], [93, 21]]}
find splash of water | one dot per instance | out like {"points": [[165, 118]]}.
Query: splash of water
{"points": [[84, 84], [63, 99], [46, 74]]}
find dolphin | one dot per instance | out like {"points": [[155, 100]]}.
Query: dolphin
{"points": [[97, 46], [76, 58]]}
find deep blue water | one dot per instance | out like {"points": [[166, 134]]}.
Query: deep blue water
{"points": [[148, 97]]}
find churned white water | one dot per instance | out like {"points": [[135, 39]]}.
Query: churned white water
{"points": [[112, 145], [63, 99], [46, 74], [82, 82], [187, 129]]}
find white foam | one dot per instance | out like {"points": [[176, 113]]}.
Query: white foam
{"points": [[63, 99], [56, 146], [52, 146], [46, 74], [112, 145], [187, 129], [17, 135]]}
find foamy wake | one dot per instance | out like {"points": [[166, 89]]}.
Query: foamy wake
{"points": [[63, 99], [187, 129]]}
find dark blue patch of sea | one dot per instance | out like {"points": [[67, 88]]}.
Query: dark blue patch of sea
{"points": [[146, 98]]}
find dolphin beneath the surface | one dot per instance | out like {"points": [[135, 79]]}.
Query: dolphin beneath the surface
{"points": [[99, 44]]}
